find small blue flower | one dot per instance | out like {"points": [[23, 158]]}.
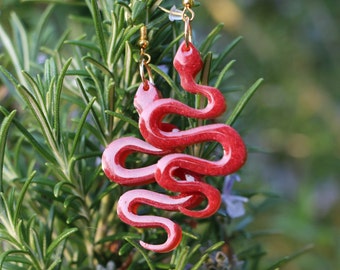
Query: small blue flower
{"points": [[234, 204]]}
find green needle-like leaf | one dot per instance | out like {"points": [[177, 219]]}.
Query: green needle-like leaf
{"points": [[142, 251], [61, 40], [42, 150], [8, 45], [211, 38], [63, 236], [21, 41], [54, 264], [98, 65], [37, 93], [3, 136], [229, 48], [99, 29], [182, 260], [101, 132], [289, 258], [38, 113], [127, 64], [171, 83], [126, 35], [214, 247], [124, 118], [72, 219], [59, 185], [169, 47], [200, 262], [194, 250], [56, 99], [222, 73], [82, 43], [8, 75], [20, 199], [4, 256], [243, 101], [82, 120]]}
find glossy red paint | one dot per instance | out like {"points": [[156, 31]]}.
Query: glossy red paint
{"points": [[175, 171]]}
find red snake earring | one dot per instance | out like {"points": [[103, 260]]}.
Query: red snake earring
{"points": [[177, 172]]}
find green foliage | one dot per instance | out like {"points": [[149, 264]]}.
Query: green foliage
{"points": [[74, 95]]}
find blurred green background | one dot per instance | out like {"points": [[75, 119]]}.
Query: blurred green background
{"points": [[294, 119], [292, 122]]}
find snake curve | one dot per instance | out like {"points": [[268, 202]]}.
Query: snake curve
{"points": [[177, 172], [151, 114], [113, 164]]}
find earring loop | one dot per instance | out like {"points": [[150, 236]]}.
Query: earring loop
{"points": [[187, 16], [145, 58], [188, 13], [144, 64], [187, 31]]}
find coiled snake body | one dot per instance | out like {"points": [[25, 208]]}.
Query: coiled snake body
{"points": [[176, 172]]}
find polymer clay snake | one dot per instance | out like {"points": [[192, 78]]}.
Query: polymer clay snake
{"points": [[177, 172], [151, 113]]}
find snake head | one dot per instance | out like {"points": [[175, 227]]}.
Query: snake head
{"points": [[145, 96], [188, 61]]}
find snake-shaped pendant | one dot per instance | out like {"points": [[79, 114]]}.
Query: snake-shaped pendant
{"points": [[176, 172]]}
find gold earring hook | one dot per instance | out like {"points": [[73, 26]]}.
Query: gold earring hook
{"points": [[187, 11], [187, 31], [145, 58], [187, 16], [143, 41]]}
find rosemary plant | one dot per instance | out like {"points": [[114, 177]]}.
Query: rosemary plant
{"points": [[70, 93]]}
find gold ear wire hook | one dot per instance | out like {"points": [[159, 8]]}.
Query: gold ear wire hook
{"points": [[187, 11], [143, 41], [188, 4], [187, 16], [145, 58], [187, 31]]}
